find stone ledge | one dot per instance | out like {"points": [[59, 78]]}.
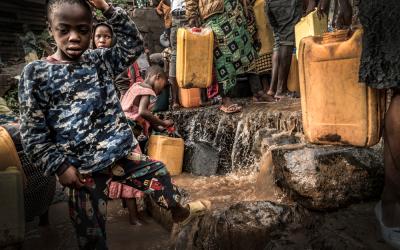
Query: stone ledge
{"points": [[234, 135], [328, 177]]}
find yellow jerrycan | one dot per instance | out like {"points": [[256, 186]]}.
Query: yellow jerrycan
{"points": [[190, 98], [12, 219], [194, 57], [336, 108], [8, 154], [293, 83], [168, 150], [263, 28], [310, 25]]}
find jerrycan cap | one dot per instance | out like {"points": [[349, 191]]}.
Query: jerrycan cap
{"points": [[196, 30]]}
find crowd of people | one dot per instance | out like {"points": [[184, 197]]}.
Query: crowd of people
{"points": [[86, 111]]}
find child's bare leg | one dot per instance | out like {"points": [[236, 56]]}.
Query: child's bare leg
{"points": [[274, 76], [133, 211], [285, 59], [174, 92]]}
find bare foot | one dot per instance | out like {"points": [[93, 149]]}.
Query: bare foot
{"points": [[175, 106], [263, 98], [271, 93]]}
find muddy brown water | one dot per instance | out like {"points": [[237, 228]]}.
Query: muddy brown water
{"points": [[224, 190]]}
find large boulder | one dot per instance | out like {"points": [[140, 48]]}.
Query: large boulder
{"points": [[328, 177], [244, 225], [201, 158]]}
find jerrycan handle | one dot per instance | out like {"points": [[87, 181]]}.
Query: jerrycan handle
{"points": [[196, 30], [335, 36]]}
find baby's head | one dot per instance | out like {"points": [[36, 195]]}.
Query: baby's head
{"points": [[103, 36], [157, 78], [70, 23]]}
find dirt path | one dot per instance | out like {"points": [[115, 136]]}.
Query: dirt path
{"points": [[121, 235]]}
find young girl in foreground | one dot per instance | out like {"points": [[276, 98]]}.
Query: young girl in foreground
{"points": [[72, 123]]}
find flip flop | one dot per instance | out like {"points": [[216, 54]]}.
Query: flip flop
{"points": [[196, 208], [231, 109], [391, 235]]}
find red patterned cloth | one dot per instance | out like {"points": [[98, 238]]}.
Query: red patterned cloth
{"points": [[117, 190]]}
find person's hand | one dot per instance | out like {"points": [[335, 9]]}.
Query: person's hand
{"points": [[146, 51], [323, 8], [168, 123], [70, 178], [194, 22], [99, 4]]}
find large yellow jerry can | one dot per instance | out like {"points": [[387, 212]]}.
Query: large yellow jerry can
{"points": [[263, 28], [336, 108], [194, 57], [8, 153], [12, 216], [310, 25], [168, 150], [190, 98], [293, 83]]}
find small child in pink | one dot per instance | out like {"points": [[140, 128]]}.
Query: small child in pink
{"points": [[136, 102]]}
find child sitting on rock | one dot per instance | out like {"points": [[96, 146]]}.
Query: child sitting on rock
{"points": [[137, 104], [72, 123]]}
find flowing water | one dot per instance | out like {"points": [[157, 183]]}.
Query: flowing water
{"points": [[244, 174]]}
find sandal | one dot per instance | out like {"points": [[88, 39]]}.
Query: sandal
{"points": [[196, 208], [231, 109], [391, 235]]}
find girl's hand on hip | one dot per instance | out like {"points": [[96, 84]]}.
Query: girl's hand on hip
{"points": [[71, 178]]}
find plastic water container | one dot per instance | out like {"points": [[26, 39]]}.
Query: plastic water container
{"points": [[310, 25], [336, 108], [263, 27], [293, 83], [168, 150], [8, 153], [12, 217], [194, 57], [190, 98]]}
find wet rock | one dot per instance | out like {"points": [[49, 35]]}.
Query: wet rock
{"points": [[328, 177], [245, 225], [201, 159], [234, 135], [350, 228]]}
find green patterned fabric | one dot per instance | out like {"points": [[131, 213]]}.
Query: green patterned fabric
{"points": [[234, 48]]}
